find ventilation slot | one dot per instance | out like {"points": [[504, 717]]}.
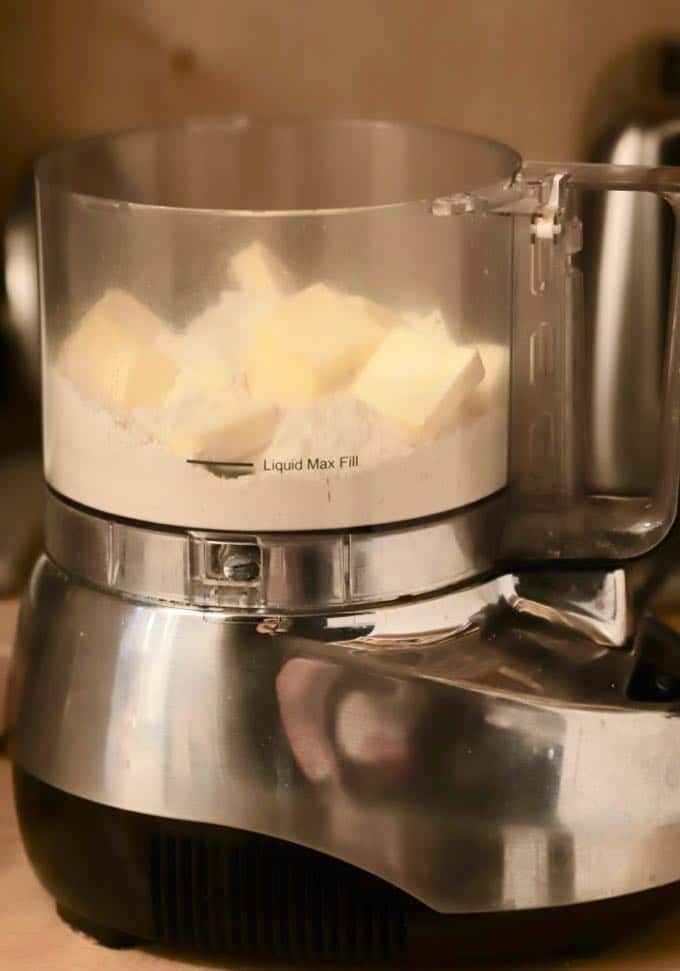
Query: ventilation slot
{"points": [[274, 900]]}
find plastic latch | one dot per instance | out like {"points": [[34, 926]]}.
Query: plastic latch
{"points": [[546, 228]]}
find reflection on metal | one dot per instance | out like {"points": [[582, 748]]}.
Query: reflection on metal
{"points": [[629, 256], [592, 603], [501, 766], [284, 571], [21, 280], [628, 326]]}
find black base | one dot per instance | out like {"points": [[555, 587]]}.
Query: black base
{"points": [[102, 935], [122, 877]]}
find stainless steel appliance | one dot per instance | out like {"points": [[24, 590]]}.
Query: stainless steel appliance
{"points": [[628, 243], [21, 480], [331, 647]]}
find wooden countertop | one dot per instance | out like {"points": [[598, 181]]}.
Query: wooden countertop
{"points": [[9, 613], [32, 938]]}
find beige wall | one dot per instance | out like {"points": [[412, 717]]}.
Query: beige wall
{"points": [[525, 71]]}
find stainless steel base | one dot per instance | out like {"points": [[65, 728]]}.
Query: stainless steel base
{"points": [[464, 748]]}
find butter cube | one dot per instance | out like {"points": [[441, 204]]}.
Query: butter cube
{"points": [[416, 383], [204, 374], [492, 392], [256, 269], [113, 357], [225, 428], [311, 343], [432, 326], [203, 366]]}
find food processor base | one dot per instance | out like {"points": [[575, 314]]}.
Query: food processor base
{"points": [[487, 771], [114, 940], [125, 878]]}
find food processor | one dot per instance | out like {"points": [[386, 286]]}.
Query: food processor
{"points": [[333, 652]]}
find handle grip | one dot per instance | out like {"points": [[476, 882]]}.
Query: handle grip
{"points": [[551, 511]]}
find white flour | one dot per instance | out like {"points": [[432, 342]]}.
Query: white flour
{"points": [[337, 425], [333, 464], [95, 460]]}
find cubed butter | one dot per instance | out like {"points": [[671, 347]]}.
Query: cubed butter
{"points": [[203, 375], [416, 383], [228, 427], [312, 343], [432, 326], [493, 390], [203, 367], [113, 354], [256, 269]]}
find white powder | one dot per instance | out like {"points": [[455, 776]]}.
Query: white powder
{"points": [[335, 426], [114, 467], [219, 334], [223, 327], [333, 464]]}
